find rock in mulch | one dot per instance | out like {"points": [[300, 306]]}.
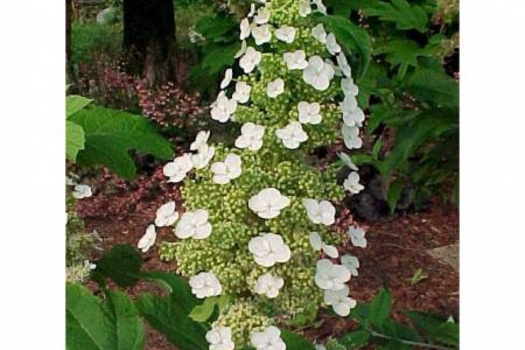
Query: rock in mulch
{"points": [[448, 254]]}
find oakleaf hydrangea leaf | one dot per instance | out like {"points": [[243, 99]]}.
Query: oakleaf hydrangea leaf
{"points": [[111, 134], [93, 324]]}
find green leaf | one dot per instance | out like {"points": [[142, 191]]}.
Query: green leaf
{"points": [[215, 61], [437, 329], [74, 140], [354, 39], [434, 87], [75, 103], [355, 339], [423, 321], [214, 26], [169, 314], [177, 287], [447, 333], [401, 13], [343, 7], [394, 193], [401, 52], [377, 147], [295, 341], [202, 312], [122, 264], [92, 324], [223, 302], [110, 134], [380, 113], [380, 307], [347, 160]]}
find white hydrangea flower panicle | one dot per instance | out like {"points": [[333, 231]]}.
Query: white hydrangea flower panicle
{"points": [[202, 158], [317, 243], [316, 85], [286, 34], [292, 135], [340, 301], [329, 276], [269, 339], [357, 236], [148, 240], [177, 170], [309, 113], [82, 191], [200, 140], [322, 212], [275, 88], [194, 224], [351, 183], [269, 285], [251, 137], [250, 59], [166, 215], [220, 338], [269, 249], [351, 263], [262, 34], [296, 60], [268, 203], [318, 74], [224, 172], [205, 284], [242, 92]]}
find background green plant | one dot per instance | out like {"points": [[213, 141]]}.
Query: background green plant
{"points": [[408, 88], [90, 40]]}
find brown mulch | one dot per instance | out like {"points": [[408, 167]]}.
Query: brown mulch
{"points": [[396, 249]]}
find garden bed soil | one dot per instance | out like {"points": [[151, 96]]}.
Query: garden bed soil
{"points": [[397, 248]]}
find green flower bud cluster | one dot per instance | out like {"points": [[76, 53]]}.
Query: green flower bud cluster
{"points": [[78, 243], [243, 316], [78, 272]]}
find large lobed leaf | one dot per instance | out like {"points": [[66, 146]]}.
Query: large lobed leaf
{"points": [[75, 140], [111, 134], [93, 324], [404, 15], [169, 314], [75, 103], [435, 87], [122, 264]]}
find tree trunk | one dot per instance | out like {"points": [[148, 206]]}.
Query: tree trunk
{"points": [[149, 39], [68, 36]]}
